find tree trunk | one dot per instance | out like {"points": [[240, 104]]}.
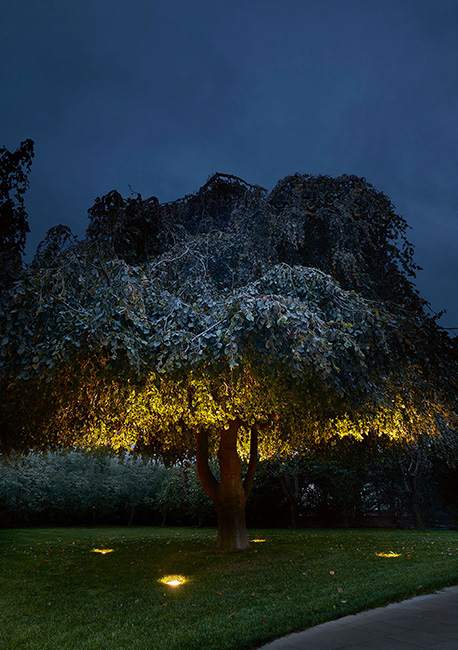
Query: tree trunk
{"points": [[293, 515], [292, 496], [231, 500], [230, 494], [415, 506], [132, 512], [232, 532], [410, 474]]}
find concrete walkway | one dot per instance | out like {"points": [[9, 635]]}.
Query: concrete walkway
{"points": [[424, 622]]}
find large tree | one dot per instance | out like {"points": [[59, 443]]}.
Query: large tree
{"points": [[200, 340]]}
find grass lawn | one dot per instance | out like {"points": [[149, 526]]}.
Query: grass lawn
{"points": [[56, 593]]}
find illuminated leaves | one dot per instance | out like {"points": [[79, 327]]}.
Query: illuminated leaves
{"points": [[217, 322]]}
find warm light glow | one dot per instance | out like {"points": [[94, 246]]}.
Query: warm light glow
{"points": [[390, 554], [173, 581], [103, 550], [257, 540]]}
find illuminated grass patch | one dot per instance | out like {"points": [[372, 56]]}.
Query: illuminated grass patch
{"points": [[173, 580]]}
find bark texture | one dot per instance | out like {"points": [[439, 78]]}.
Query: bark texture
{"points": [[230, 494]]}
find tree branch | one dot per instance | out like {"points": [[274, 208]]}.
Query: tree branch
{"points": [[81, 312], [205, 331], [208, 481]]}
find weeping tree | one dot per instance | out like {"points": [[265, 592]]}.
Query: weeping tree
{"points": [[209, 338]]}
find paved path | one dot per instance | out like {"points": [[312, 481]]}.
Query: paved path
{"points": [[424, 622]]}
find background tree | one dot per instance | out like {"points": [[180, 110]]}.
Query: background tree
{"points": [[131, 229], [182, 498], [14, 169], [204, 348], [77, 487], [56, 240]]}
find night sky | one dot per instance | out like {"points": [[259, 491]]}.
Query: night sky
{"points": [[157, 96]]}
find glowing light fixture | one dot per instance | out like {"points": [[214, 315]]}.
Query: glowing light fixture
{"points": [[103, 551], [173, 580], [257, 540], [390, 554]]}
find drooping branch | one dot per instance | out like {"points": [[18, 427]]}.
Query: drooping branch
{"points": [[248, 481], [209, 482]]}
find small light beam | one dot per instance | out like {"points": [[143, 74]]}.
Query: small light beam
{"points": [[103, 551], [173, 580], [390, 554]]}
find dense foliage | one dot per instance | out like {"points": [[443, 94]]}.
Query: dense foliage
{"points": [[109, 345], [14, 170], [331, 486], [78, 487], [347, 228], [231, 316]]}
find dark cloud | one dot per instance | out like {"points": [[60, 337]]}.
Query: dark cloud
{"points": [[160, 95]]}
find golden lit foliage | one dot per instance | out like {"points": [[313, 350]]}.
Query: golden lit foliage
{"points": [[218, 325]]}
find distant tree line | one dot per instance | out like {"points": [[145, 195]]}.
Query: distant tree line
{"points": [[321, 489]]}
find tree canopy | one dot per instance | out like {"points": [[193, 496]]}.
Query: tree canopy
{"points": [[224, 318]]}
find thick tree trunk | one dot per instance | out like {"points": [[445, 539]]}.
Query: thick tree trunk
{"points": [[231, 500], [229, 494], [232, 532]]}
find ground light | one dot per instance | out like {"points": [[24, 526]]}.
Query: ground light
{"points": [[103, 551], [173, 580], [390, 554], [257, 540]]}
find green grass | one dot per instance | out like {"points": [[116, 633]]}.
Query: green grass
{"points": [[56, 594]]}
